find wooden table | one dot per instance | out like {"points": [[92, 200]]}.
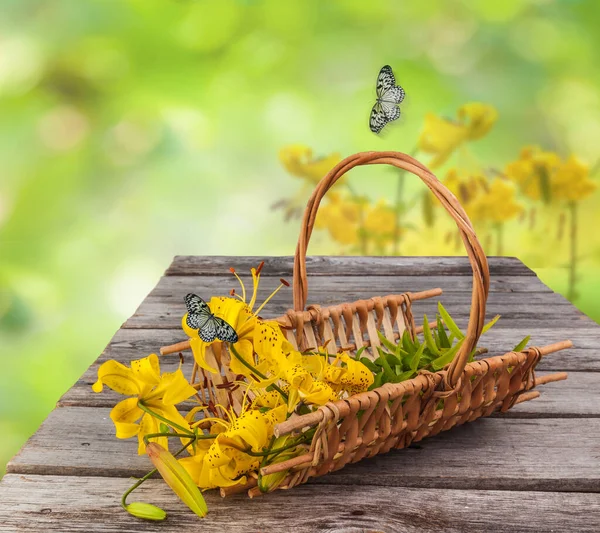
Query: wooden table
{"points": [[535, 468]]}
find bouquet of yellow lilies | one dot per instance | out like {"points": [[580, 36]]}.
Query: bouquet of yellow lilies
{"points": [[226, 431]]}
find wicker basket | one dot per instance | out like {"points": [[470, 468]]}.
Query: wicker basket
{"points": [[393, 415]]}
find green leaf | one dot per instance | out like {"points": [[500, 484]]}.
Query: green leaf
{"points": [[164, 428], [377, 382], [447, 356], [413, 363], [370, 365], [444, 341], [387, 343], [359, 352], [407, 343], [404, 376], [490, 324], [521, 346], [429, 338], [448, 320], [387, 369]]}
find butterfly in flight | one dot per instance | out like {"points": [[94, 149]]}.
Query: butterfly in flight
{"points": [[389, 95], [209, 326]]}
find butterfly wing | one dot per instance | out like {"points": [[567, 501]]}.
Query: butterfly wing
{"points": [[225, 332], [385, 81], [378, 119], [390, 111], [208, 331], [394, 95], [198, 311]]}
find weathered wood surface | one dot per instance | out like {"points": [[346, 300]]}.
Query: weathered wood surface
{"points": [[47, 503], [193, 265], [476, 477], [490, 453]]}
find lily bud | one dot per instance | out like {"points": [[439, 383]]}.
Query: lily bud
{"points": [[147, 511], [177, 478]]}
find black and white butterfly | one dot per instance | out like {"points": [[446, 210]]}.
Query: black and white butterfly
{"points": [[389, 95], [209, 326]]}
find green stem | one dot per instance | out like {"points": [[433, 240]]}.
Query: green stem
{"points": [[254, 371], [571, 295], [146, 409], [499, 239], [399, 195], [361, 230], [180, 435], [250, 452], [151, 473]]}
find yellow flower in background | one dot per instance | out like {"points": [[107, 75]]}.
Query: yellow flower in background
{"points": [[478, 118], [144, 383], [298, 160], [534, 172], [497, 203], [572, 182], [380, 223], [465, 186], [341, 216], [442, 136]]}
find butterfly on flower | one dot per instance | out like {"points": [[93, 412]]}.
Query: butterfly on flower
{"points": [[389, 95], [209, 326]]}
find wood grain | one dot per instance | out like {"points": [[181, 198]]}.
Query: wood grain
{"points": [[186, 265], [48, 503], [507, 454]]}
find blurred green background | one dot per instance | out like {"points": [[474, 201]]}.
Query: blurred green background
{"points": [[131, 131]]}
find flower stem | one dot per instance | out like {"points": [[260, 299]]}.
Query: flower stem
{"points": [[254, 371], [399, 195], [571, 294], [146, 409], [152, 472], [249, 451], [180, 435], [499, 239]]}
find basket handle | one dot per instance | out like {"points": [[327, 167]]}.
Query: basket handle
{"points": [[477, 258]]}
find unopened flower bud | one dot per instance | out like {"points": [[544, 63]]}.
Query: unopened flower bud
{"points": [[147, 511]]}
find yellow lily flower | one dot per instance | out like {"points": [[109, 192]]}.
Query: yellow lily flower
{"points": [[347, 374], [224, 463], [478, 118], [238, 313], [143, 381], [497, 204], [341, 217], [440, 137], [380, 223], [298, 160], [572, 182], [534, 172], [176, 476]]}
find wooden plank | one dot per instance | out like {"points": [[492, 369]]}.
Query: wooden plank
{"points": [[128, 344], [534, 309], [46, 503], [488, 454], [186, 265], [350, 288]]}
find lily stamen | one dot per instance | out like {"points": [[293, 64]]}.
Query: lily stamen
{"points": [[232, 270], [284, 283]]}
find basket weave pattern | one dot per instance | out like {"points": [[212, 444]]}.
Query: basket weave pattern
{"points": [[393, 415]]}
